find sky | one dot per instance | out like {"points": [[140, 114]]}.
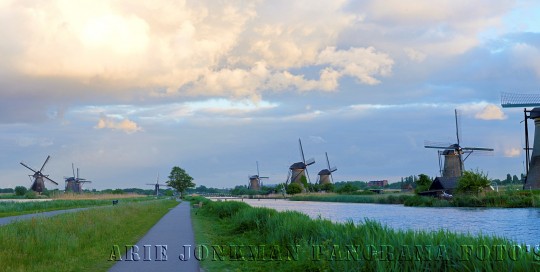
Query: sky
{"points": [[128, 89]]}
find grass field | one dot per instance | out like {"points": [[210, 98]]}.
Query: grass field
{"points": [[79, 241], [291, 241], [16, 208]]}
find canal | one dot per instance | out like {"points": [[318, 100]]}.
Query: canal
{"points": [[521, 225]]}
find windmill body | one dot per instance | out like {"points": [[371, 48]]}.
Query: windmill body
{"points": [[453, 166], [533, 177], [299, 169], [74, 183], [509, 100], [255, 182], [325, 175], [454, 155], [38, 184], [156, 186]]}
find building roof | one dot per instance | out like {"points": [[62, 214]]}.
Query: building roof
{"points": [[324, 172], [298, 165], [444, 183]]}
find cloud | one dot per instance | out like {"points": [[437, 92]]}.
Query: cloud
{"points": [[317, 139], [512, 152], [491, 112], [125, 125], [32, 141], [187, 48], [415, 55]]}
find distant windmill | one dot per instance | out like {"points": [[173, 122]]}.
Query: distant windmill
{"points": [[325, 175], [74, 184], [39, 185], [299, 169], [156, 185], [453, 155], [532, 166], [255, 180]]}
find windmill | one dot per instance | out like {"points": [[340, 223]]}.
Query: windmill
{"points": [[156, 185], [39, 184], [74, 183], [325, 175], [255, 180], [299, 169], [454, 155], [532, 166]]}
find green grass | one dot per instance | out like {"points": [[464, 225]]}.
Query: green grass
{"points": [[373, 198], [505, 199], [19, 208], [325, 246], [79, 241]]}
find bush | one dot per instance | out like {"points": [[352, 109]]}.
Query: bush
{"points": [[472, 182], [294, 188], [328, 187], [347, 188], [20, 190], [30, 194]]}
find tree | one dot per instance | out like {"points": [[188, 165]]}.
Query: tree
{"points": [[422, 183], [472, 182], [180, 180], [294, 188], [20, 190]]}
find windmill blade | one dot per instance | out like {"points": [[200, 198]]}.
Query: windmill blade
{"points": [[333, 169], [439, 147], [327, 160], [477, 148], [85, 181], [309, 162], [47, 160], [28, 167], [307, 174], [264, 177], [457, 126], [258, 174], [50, 180], [302, 151], [73, 169]]}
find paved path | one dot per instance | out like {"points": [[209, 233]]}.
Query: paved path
{"points": [[161, 247], [10, 219]]}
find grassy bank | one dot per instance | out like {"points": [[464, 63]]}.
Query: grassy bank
{"points": [[19, 208], [242, 238], [373, 198], [508, 199], [79, 241]]}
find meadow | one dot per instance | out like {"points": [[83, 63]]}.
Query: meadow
{"points": [[18, 208], [80, 241], [261, 239]]}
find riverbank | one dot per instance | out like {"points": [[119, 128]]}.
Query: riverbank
{"points": [[509, 199], [262, 239]]}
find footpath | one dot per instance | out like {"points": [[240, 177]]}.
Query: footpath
{"points": [[164, 248], [10, 219]]}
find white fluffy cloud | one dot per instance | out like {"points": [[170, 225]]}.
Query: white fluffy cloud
{"points": [[491, 112], [193, 47], [125, 125], [512, 152]]}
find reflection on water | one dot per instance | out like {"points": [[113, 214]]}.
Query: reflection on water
{"points": [[521, 225]]}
